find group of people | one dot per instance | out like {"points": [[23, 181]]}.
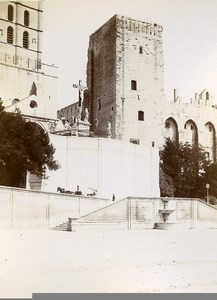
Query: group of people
{"points": [[77, 192]]}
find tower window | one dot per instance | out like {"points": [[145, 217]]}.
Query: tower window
{"points": [[141, 115], [207, 96], [10, 13], [10, 35], [99, 104], [26, 18], [25, 39], [135, 141], [140, 49], [133, 85]]}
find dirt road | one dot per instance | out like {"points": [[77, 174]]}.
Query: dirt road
{"points": [[137, 261]]}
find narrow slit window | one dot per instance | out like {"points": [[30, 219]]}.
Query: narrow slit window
{"points": [[99, 104], [140, 49], [133, 85]]}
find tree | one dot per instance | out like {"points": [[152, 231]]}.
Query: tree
{"points": [[166, 185], [210, 177], [24, 146], [186, 165]]}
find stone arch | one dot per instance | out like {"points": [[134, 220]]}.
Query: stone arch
{"points": [[210, 141], [171, 130], [33, 182], [41, 125], [15, 100], [191, 132]]}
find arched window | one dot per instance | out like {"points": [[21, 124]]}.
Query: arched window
{"points": [[171, 130], [10, 13], [191, 133], [15, 100], [207, 96], [10, 35], [26, 18], [209, 143], [25, 39]]}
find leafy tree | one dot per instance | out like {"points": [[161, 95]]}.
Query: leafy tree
{"points": [[24, 146], [166, 185], [186, 165], [210, 177]]}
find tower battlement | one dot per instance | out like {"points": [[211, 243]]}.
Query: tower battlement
{"points": [[134, 26], [138, 26]]}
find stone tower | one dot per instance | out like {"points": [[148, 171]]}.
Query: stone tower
{"points": [[125, 79], [26, 84]]}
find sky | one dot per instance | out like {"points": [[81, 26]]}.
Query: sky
{"points": [[189, 40]]}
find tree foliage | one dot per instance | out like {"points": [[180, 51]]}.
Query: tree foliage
{"points": [[166, 185], [189, 169], [24, 146]]}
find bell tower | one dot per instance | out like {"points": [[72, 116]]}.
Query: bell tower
{"points": [[21, 33], [26, 83]]}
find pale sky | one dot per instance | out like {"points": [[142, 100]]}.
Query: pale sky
{"points": [[190, 40]]}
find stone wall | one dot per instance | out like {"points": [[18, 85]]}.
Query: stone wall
{"points": [[107, 165], [21, 208], [194, 118], [101, 77], [120, 51], [133, 51], [134, 213]]}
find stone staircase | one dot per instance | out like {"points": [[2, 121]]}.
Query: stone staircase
{"points": [[144, 213], [62, 227]]}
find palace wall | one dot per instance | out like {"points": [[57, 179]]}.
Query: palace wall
{"points": [[107, 165]]}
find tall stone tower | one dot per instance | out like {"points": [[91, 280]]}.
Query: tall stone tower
{"points": [[125, 79], [26, 83]]}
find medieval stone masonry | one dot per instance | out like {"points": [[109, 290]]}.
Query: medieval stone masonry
{"points": [[125, 79], [123, 100], [26, 83]]}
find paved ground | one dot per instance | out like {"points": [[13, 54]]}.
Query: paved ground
{"points": [[140, 261]]}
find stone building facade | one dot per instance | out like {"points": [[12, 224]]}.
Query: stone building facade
{"points": [[125, 79], [194, 121], [26, 84]]}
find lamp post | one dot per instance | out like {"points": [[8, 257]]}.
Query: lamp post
{"points": [[207, 192]]}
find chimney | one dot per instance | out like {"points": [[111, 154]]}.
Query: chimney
{"points": [[175, 95]]}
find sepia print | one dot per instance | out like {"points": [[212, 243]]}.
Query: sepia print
{"points": [[108, 174]]}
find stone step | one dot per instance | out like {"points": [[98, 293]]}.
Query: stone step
{"points": [[63, 227]]}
